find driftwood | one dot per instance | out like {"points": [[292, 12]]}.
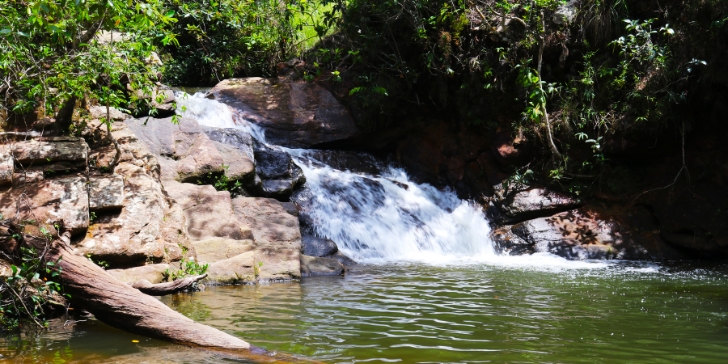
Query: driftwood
{"points": [[162, 289], [125, 307], [122, 306]]}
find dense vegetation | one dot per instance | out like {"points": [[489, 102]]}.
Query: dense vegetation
{"points": [[580, 79]]}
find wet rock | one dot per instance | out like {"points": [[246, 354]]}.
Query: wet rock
{"points": [[50, 149], [185, 152], [7, 166], [277, 237], [579, 234], [300, 115], [153, 273], [508, 243], [61, 201], [343, 259], [106, 192], [521, 205], [347, 161], [278, 173], [320, 266], [317, 247], [444, 154]]}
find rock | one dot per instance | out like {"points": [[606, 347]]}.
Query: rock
{"points": [[236, 148], [241, 140], [106, 192], [185, 152], [508, 243], [238, 166], [317, 247], [444, 154], [516, 206], [99, 112], [134, 235], [60, 201], [343, 259], [277, 171], [153, 273], [580, 234], [163, 101], [242, 268], [277, 237], [217, 249], [7, 166], [320, 266], [50, 149], [150, 227], [300, 115], [208, 212], [29, 176], [511, 151]]}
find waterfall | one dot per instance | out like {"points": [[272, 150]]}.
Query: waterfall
{"points": [[380, 217]]}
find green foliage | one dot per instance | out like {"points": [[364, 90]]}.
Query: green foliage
{"points": [[29, 290], [188, 267], [222, 182], [51, 51], [219, 39]]}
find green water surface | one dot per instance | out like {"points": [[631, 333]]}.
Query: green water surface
{"points": [[408, 313]]}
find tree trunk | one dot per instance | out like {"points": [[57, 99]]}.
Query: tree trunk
{"points": [[125, 307], [122, 306], [162, 289]]}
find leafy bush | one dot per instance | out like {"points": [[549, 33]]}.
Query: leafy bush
{"points": [[54, 52], [29, 290], [187, 268]]}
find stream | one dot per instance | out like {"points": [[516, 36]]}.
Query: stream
{"points": [[429, 288]]}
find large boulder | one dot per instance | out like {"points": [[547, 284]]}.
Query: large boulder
{"points": [[185, 153], [317, 247], [208, 212], [278, 173], [321, 266], [581, 234], [148, 227], [236, 148], [294, 114], [277, 237], [509, 207]]}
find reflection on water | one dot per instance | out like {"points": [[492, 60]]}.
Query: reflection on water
{"points": [[425, 314]]}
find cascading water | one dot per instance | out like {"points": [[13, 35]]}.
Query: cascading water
{"points": [[379, 217]]}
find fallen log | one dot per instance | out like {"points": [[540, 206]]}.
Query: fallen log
{"points": [[120, 305], [125, 307], [162, 289]]}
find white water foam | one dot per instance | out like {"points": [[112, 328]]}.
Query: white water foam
{"points": [[214, 114], [389, 219], [386, 218]]}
